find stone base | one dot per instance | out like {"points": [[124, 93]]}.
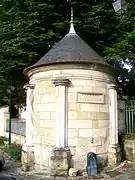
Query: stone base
{"points": [[60, 161], [27, 157], [114, 156]]}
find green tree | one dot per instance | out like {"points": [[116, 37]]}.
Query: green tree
{"points": [[29, 28]]}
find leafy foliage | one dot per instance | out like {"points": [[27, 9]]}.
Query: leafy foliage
{"points": [[2, 139], [29, 28], [14, 151]]}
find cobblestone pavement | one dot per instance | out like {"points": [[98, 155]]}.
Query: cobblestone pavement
{"points": [[14, 169]]}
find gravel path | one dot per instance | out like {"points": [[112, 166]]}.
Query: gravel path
{"points": [[127, 175], [14, 169], [119, 174]]}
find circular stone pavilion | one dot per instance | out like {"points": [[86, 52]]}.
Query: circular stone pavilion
{"points": [[71, 108]]}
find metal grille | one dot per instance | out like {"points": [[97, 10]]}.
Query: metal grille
{"points": [[130, 117], [17, 126]]}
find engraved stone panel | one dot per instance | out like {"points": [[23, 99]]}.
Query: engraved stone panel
{"points": [[94, 98]]}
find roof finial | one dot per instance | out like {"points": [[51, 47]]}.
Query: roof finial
{"points": [[72, 30]]}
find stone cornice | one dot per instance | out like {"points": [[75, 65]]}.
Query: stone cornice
{"points": [[96, 67], [112, 86]]}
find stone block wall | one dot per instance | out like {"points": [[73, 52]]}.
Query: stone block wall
{"points": [[88, 117], [88, 114], [44, 110]]}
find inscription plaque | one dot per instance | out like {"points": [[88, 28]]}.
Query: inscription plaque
{"points": [[90, 98]]}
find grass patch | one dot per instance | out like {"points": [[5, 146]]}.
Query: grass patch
{"points": [[14, 151]]}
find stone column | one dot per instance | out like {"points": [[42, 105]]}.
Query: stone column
{"points": [[61, 153], [29, 115], [28, 147], [113, 149], [61, 113], [121, 114]]}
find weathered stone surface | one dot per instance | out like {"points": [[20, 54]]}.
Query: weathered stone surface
{"points": [[72, 172], [85, 174], [92, 115], [103, 124], [45, 115], [46, 123], [89, 107], [129, 149], [93, 133], [81, 151], [95, 124], [27, 158], [102, 160], [114, 156], [73, 133], [60, 162], [73, 106], [72, 115], [71, 96], [73, 150], [83, 124]]}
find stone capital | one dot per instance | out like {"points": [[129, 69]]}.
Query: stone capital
{"points": [[113, 148], [28, 147], [29, 86], [112, 86], [61, 82]]}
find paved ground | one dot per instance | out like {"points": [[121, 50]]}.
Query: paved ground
{"points": [[118, 174], [13, 169], [127, 175]]}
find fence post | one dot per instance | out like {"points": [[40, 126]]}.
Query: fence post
{"points": [[121, 114], [3, 120]]}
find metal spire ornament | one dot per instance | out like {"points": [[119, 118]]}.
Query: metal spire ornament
{"points": [[72, 30]]}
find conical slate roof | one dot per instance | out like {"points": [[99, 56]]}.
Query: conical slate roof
{"points": [[71, 49]]}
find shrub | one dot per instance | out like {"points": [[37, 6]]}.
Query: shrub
{"points": [[128, 136], [2, 139], [14, 151]]}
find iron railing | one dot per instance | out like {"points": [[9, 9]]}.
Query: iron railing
{"points": [[17, 126], [130, 117]]}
